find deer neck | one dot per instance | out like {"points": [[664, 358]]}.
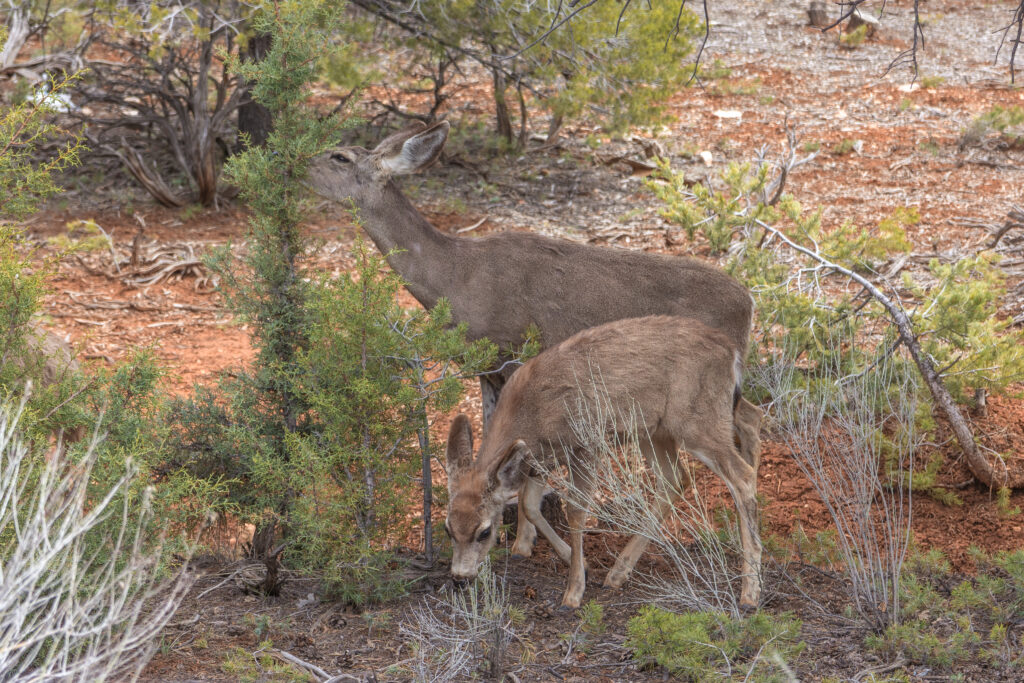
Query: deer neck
{"points": [[424, 255]]}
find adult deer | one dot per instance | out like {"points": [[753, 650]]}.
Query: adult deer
{"points": [[679, 377], [500, 285]]}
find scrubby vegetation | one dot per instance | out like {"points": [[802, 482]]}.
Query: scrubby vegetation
{"points": [[113, 474]]}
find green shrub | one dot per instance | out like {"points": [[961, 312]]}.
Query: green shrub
{"points": [[957, 314], [855, 38], [845, 146], [979, 618], [621, 66], [371, 372], [318, 441], [24, 182], [700, 646]]}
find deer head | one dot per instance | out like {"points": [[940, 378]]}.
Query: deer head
{"points": [[363, 174], [477, 492]]}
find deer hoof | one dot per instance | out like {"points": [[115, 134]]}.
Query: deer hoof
{"points": [[568, 605], [522, 552], [615, 579]]}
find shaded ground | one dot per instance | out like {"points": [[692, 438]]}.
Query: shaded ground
{"points": [[909, 155]]}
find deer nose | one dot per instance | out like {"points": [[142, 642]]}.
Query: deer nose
{"points": [[460, 581]]}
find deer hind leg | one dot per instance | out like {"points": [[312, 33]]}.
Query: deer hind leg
{"points": [[722, 458], [662, 455], [747, 430], [577, 518], [530, 498]]}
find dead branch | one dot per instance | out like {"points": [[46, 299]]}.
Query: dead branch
{"points": [[18, 31], [982, 469], [773, 191], [292, 659], [167, 98], [144, 267], [1016, 26], [148, 178], [1015, 219]]}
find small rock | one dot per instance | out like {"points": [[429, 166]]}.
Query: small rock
{"points": [[706, 157]]}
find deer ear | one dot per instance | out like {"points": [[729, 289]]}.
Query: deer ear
{"points": [[459, 455], [416, 153], [509, 471]]}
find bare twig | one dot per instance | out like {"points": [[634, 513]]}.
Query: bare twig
{"points": [[1016, 28], [67, 610]]}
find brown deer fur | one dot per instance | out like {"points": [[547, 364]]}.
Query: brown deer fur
{"points": [[681, 377], [501, 284]]}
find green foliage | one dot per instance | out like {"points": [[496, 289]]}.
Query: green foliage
{"points": [[855, 38], [821, 551], [961, 327], [704, 646], [272, 291], [1007, 122], [956, 315], [592, 618], [23, 278], [261, 666], [369, 375], [320, 437], [715, 71], [845, 146], [23, 127], [622, 70], [81, 235], [1003, 503], [736, 86], [977, 619]]}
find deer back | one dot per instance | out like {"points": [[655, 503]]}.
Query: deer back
{"points": [[675, 374]]}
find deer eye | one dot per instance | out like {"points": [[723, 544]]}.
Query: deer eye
{"points": [[484, 535], [339, 157]]}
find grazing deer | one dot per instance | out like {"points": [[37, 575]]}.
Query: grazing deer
{"points": [[500, 285], [681, 377]]}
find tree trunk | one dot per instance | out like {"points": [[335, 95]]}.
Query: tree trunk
{"points": [[504, 122], [423, 433], [253, 118]]}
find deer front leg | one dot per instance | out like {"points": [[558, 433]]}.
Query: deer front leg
{"points": [[573, 597], [577, 518], [530, 498]]}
